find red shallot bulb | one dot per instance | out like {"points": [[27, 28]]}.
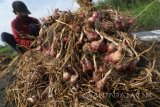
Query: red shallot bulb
{"points": [[65, 40], [100, 84], [107, 58], [92, 19], [115, 56], [69, 68], [45, 93], [120, 67], [132, 66], [96, 14], [47, 18], [103, 69], [47, 51], [32, 100], [102, 48], [95, 45], [39, 48], [50, 50], [111, 48], [119, 25], [39, 41], [66, 76], [97, 76], [81, 15], [74, 79], [132, 21], [91, 35], [87, 65]]}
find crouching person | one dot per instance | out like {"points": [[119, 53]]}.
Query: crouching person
{"points": [[24, 28]]}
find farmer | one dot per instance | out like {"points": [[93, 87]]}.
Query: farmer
{"points": [[24, 28]]}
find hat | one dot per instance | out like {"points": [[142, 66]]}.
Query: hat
{"points": [[19, 6]]}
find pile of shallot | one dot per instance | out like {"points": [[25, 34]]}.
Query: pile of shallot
{"points": [[90, 43], [77, 54]]}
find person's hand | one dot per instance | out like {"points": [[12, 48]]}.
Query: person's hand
{"points": [[27, 36], [21, 49], [31, 37]]}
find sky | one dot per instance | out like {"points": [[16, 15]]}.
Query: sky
{"points": [[38, 8]]}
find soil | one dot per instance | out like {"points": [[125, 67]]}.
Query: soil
{"points": [[7, 77], [5, 81], [154, 53]]}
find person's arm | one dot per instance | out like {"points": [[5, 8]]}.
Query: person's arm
{"points": [[36, 21], [18, 34], [15, 30], [34, 26]]}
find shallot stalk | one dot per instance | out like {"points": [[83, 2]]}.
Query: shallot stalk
{"points": [[81, 37], [100, 84], [114, 42], [132, 49], [79, 43], [60, 52], [52, 50], [95, 17], [95, 64], [64, 24], [125, 41], [107, 37], [87, 48]]}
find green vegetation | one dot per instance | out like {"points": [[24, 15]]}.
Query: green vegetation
{"points": [[148, 19], [7, 51]]}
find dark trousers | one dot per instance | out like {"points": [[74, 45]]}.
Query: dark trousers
{"points": [[9, 39]]}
